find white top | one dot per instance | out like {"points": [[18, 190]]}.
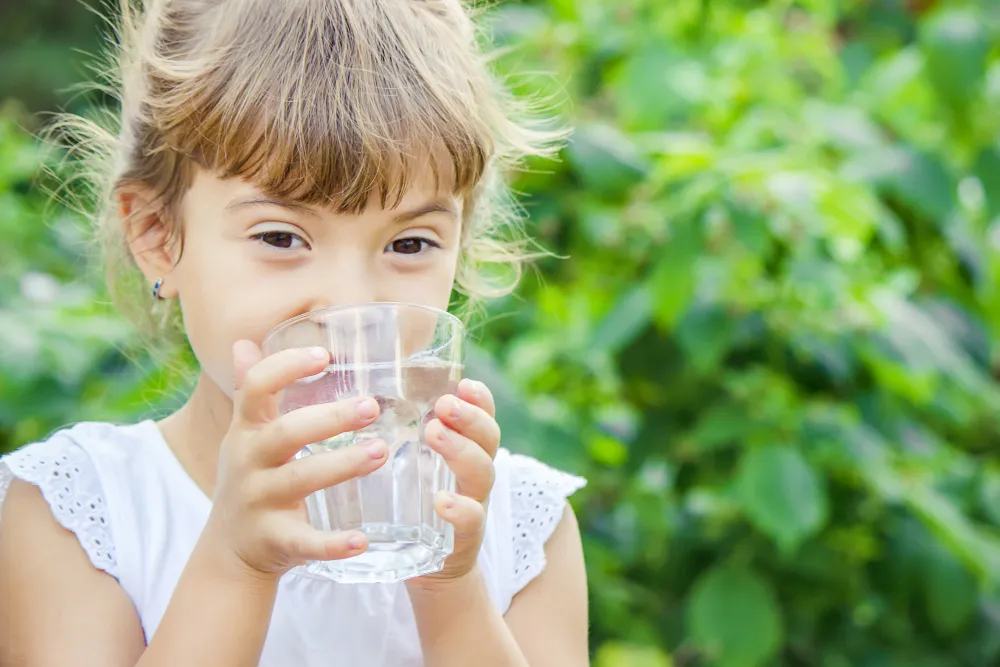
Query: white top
{"points": [[138, 515]]}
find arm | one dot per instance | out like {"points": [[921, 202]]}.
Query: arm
{"points": [[218, 615], [545, 625], [57, 609], [549, 617]]}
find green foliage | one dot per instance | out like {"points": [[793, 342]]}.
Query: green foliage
{"points": [[63, 344], [781, 495], [955, 46], [771, 349], [734, 617]]}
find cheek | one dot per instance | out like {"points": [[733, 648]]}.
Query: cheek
{"points": [[431, 286], [223, 301]]}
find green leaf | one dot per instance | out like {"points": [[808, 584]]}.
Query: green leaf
{"points": [[782, 495], [849, 128], [987, 170], [627, 320], [607, 451], [656, 85], [618, 654], [917, 179], [600, 223], [606, 160], [749, 227], [733, 616], [673, 281], [718, 427], [977, 549], [856, 57], [955, 44], [951, 594], [705, 335], [989, 494]]}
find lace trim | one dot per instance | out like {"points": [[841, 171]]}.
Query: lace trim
{"points": [[538, 500], [68, 480]]}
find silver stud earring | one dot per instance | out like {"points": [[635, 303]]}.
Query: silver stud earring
{"points": [[156, 288]]}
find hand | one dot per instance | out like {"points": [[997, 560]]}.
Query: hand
{"points": [[467, 436], [258, 512]]}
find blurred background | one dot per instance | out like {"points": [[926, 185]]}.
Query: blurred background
{"points": [[771, 348]]}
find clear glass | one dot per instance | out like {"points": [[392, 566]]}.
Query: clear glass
{"points": [[405, 356]]}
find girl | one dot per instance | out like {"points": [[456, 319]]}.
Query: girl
{"points": [[275, 157]]}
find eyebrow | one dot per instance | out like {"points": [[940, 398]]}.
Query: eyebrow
{"points": [[426, 209], [398, 219], [259, 200]]}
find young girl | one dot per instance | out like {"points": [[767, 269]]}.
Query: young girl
{"points": [[275, 157]]}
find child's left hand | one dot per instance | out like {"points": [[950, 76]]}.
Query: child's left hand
{"points": [[467, 436]]}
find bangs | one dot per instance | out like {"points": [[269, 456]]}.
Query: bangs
{"points": [[343, 104], [333, 108]]}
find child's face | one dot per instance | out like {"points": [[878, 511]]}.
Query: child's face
{"points": [[249, 263]]}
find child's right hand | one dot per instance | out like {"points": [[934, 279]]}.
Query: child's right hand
{"points": [[258, 512]]}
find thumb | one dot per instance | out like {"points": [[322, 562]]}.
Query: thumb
{"points": [[245, 354]]}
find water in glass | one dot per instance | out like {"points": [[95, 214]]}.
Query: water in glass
{"points": [[394, 505]]}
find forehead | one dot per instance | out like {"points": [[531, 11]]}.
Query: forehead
{"points": [[422, 188]]}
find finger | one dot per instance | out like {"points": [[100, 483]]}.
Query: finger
{"points": [[470, 420], [301, 542], [298, 478], [263, 380], [477, 394], [472, 465], [292, 431], [245, 354], [464, 513]]}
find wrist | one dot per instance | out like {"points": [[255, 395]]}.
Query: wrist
{"points": [[230, 566], [432, 588], [457, 619]]}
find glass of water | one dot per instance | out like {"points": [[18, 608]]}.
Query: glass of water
{"points": [[405, 356]]}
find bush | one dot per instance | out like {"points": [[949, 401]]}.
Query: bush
{"points": [[770, 349]]}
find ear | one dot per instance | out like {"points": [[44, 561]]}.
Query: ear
{"points": [[151, 239]]}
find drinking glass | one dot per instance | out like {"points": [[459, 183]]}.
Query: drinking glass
{"points": [[405, 356]]}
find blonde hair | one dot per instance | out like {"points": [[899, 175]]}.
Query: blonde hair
{"points": [[328, 102]]}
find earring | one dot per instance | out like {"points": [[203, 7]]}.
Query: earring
{"points": [[156, 288]]}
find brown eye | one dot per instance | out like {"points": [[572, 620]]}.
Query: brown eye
{"points": [[284, 240], [414, 245], [407, 246]]}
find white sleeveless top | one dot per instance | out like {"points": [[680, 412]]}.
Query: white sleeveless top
{"points": [[138, 515]]}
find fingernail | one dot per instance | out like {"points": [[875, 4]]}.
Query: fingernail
{"points": [[470, 386], [455, 408], [319, 354], [367, 408], [376, 449], [356, 542], [478, 388], [443, 436]]}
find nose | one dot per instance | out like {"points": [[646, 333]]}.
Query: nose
{"points": [[339, 282]]}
